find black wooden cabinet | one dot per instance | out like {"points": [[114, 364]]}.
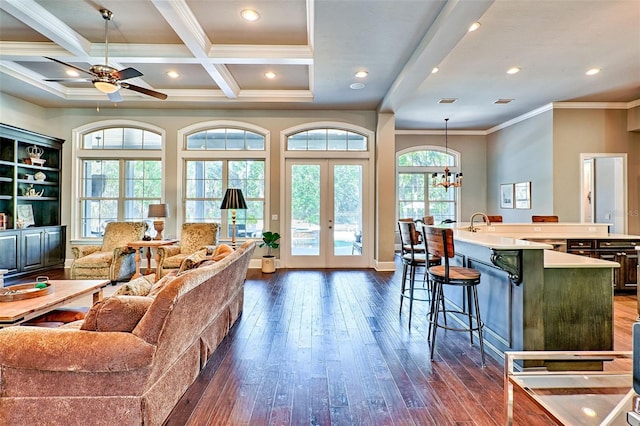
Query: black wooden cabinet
{"points": [[616, 250], [31, 235]]}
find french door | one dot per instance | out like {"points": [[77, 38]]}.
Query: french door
{"points": [[324, 214]]}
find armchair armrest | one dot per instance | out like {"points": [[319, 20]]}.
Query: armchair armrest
{"points": [[59, 349], [82, 251], [167, 251]]}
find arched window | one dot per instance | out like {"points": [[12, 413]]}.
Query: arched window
{"points": [[417, 196], [120, 174], [220, 157]]}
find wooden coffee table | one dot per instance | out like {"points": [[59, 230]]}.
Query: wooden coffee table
{"points": [[64, 291]]}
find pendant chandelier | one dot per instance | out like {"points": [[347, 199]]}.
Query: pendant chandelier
{"points": [[447, 178]]}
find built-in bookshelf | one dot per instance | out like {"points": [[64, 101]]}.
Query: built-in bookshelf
{"points": [[31, 234]]}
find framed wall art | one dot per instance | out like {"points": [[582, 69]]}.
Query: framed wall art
{"points": [[506, 196], [523, 195]]}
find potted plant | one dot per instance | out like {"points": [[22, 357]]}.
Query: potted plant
{"points": [[269, 240]]}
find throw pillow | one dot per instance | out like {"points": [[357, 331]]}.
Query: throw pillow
{"points": [[221, 251], [193, 260], [139, 287], [117, 313], [157, 287]]}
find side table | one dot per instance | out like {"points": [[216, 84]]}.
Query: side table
{"points": [[575, 397], [139, 245]]}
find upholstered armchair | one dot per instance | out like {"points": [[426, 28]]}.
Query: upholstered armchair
{"points": [[112, 260], [193, 237]]}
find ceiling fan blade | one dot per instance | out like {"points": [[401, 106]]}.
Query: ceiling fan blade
{"points": [[144, 91], [115, 96], [69, 80], [69, 65], [126, 73]]}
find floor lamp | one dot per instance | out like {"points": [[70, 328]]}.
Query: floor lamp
{"points": [[233, 200]]}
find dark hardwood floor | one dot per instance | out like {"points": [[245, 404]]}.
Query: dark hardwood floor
{"points": [[327, 347]]}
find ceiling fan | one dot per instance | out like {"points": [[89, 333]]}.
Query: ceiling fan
{"points": [[106, 79]]}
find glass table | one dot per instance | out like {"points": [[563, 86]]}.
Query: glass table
{"points": [[573, 397]]}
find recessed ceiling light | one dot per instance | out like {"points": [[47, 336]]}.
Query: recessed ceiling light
{"points": [[474, 26], [513, 70], [593, 71], [435, 70], [173, 74], [503, 101], [357, 86], [447, 100], [72, 73], [270, 74], [250, 15], [361, 74]]}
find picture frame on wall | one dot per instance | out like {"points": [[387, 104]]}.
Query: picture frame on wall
{"points": [[25, 214], [506, 196], [523, 195]]}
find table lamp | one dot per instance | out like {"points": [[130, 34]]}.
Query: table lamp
{"points": [[158, 211], [233, 200]]}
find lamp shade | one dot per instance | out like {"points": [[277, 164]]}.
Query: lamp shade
{"points": [[233, 199], [158, 210]]}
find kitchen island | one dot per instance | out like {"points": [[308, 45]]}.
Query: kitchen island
{"points": [[533, 298]]}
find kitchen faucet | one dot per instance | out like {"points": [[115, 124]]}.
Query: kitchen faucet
{"points": [[473, 216]]}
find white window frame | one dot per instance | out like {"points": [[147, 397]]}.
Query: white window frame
{"points": [[428, 171], [79, 154], [185, 155]]}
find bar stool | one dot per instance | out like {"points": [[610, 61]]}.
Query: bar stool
{"points": [[439, 242], [413, 257]]}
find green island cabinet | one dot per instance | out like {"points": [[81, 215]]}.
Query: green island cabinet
{"points": [[31, 236]]}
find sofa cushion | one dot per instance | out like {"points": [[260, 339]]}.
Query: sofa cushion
{"points": [[138, 287], [193, 260], [221, 251], [117, 313], [95, 260], [157, 287], [174, 262]]}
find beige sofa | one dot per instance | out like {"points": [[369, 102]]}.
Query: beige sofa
{"points": [[69, 376]]}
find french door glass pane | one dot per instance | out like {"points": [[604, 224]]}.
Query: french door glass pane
{"points": [[347, 204], [305, 210]]}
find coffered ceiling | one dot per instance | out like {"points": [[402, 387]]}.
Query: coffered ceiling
{"points": [[314, 48]]}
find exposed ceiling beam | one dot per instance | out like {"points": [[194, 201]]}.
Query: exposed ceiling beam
{"points": [[180, 17]]}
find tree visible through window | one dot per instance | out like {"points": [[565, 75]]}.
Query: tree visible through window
{"points": [[208, 176], [417, 197], [115, 185]]}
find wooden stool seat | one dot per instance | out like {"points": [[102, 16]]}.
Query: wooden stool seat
{"points": [[467, 276]]}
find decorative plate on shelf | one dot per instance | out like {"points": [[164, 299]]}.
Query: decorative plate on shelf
{"points": [[40, 176]]}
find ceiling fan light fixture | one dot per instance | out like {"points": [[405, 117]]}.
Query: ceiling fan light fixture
{"points": [[106, 86], [250, 15]]}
